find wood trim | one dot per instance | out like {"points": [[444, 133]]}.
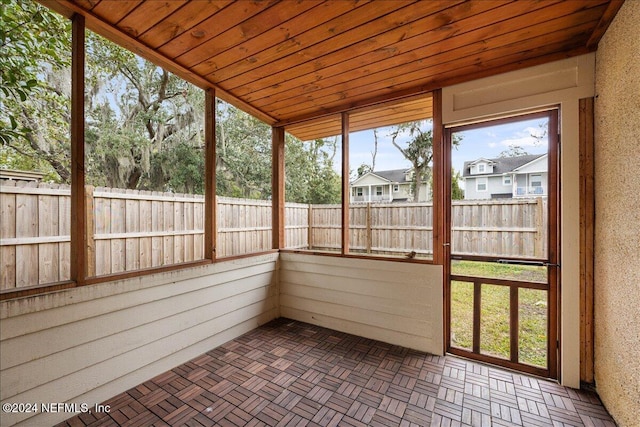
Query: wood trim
{"points": [[346, 195], [587, 236], [78, 233], [514, 324], [477, 315], [7, 294], [529, 369], [210, 202], [553, 251], [603, 24], [516, 284], [441, 163], [356, 256], [278, 188]]}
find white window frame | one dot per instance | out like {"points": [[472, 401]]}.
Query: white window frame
{"points": [[480, 181], [359, 192], [534, 182], [379, 191], [481, 168], [396, 188], [506, 180]]}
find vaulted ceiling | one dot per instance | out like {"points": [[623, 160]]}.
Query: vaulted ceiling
{"points": [[290, 61]]}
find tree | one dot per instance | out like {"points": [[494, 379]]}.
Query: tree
{"points": [[418, 150], [35, 47], [310, 174], [513, 151], [243, 154], [144, 126], [457, 193], [141, 121]]}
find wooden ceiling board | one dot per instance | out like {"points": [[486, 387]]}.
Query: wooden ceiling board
{"points": [[181, 21], [352, 57], [107, 10], [147, 15], [314, 51], [376, 116], [286, 61], [88, 4], [390, 75], [323, 127], [254, 31], [269, 46], [386, 86], [211, 27], [386, 68]]}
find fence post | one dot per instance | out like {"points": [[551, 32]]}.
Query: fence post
{"points": [[369, 231], [310, 227], [540, 229], [90, 230]]}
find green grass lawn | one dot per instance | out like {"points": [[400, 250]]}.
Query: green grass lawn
{"points": [[494, 323]]}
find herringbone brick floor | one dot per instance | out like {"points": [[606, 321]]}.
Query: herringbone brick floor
{"points": [[288, 373]]}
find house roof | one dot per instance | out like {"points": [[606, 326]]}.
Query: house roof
{"points": [[502, 164], [391, 176], [300, 65]]}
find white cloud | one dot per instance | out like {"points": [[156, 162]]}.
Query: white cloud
{"points": [[524, 138]]}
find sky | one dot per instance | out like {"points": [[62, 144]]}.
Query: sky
{"points": [[488, 142]]}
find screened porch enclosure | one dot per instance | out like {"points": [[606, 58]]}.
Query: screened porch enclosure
{"points": [[315, 70]]}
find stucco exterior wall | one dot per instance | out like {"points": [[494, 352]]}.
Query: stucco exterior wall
{"points": [[617, 247]]}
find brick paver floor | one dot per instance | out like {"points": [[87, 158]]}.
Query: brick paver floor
{"points": [[288, 373]]}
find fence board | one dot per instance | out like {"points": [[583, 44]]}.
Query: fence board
{"points": [[141, 229], [8, 231]]}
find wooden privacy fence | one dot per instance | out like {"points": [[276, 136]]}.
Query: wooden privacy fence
{"points": [[131, 230]]}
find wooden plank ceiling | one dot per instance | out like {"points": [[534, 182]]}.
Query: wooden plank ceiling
{"points": [[290, 61]]}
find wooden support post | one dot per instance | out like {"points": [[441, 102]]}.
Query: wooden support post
{"points": [[78, 207], [441, 206], [277, 183], [441, 178], [345, 183], [587, 222], [210, 204]]}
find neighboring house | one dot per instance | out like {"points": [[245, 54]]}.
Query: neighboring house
{"points": [[507, 177], [387, 186], [17, 175]]}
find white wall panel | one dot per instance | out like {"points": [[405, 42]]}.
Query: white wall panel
{"points": [[391, 301], [69, 347]]}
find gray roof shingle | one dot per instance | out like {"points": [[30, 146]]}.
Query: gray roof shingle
{"points": [[502, 164]]}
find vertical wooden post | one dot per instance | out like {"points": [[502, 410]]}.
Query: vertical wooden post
{"points": [[277, 184], [369, 231], [210, 203], [90, 231], [345, 183], [441, 177], [538, 247], [310, 227], [442, 206], [514, 324], [587, 220], [78, 208]]}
